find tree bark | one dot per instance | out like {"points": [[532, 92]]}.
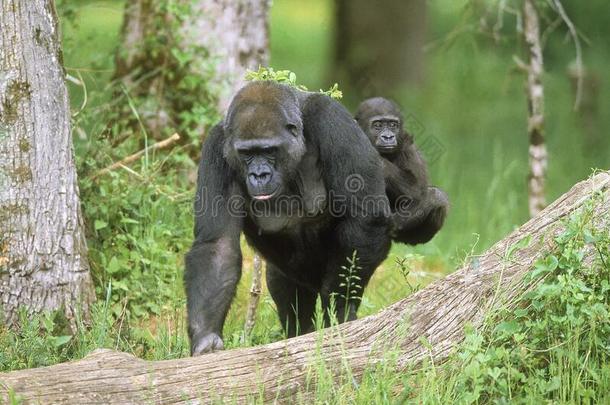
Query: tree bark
{"points": [[379, 45], [535, 97], [43, 253], [235, 33], [221, 39], [278, 371]]}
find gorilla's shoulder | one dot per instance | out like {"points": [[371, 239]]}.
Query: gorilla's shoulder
{"points": [[315, 103]]}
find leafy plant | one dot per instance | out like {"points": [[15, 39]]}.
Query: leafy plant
{"points": [[289, 78], [554, 344], [352, 282]]}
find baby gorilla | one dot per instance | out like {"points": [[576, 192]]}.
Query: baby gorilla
{"points": [[418, 210]]}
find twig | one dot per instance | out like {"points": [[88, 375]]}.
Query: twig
{"points": [[132, 158], [522, 66], [574, 34], [255, 295]]}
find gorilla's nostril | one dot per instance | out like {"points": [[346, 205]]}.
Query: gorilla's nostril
{"points": [[260, 178]]}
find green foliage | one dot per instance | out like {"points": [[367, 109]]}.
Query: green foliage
{"points": [[45, 339], [552, 345], [139, 228], [289, 78], [37, 343], [170, 81], [405, 265], [269, 74], [352, 282]]}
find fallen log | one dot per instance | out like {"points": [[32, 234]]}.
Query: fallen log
{"points": [[428, 324]]}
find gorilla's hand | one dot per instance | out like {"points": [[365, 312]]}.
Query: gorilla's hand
{"points": [[439, 203], [207, 344], [422, 220]]}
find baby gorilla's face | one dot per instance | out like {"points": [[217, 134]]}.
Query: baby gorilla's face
{"points": [[381, 121], [384, 133]]}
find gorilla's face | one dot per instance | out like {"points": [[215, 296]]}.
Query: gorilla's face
{"points": [[384, 132], [266, 142]]}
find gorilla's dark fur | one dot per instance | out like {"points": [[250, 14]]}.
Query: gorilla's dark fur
{"points": [[418, 210], [296, 174]]}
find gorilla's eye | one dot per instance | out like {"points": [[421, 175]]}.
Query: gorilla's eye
{"points": [[393, 125], [377, 124], [293, 129], [268, 150]]}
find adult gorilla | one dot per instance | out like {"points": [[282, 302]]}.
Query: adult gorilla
{"points": [[296, 174]]}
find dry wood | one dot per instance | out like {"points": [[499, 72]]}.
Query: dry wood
{"points": [[278, 371], [132, 158]]}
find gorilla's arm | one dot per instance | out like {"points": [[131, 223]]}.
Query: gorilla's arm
{"points": [[419, 210], [406, 176], [213, 265], [428, 219], [352, 172]]}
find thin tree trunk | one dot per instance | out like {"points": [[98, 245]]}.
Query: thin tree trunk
{"points": [[379, 45], [43, 254], [279, 371], [535, 97], [255, 294], [220, 40]]}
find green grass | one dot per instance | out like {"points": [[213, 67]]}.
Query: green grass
{"points": [[472, 104]]}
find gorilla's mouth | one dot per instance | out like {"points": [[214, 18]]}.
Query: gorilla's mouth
{"points": [[386, 148], [264, 195]]}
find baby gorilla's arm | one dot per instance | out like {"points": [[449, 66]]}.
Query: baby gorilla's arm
{"points": [[419, 210]]}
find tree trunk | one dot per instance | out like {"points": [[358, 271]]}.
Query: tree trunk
{"points": [[43, 253], [256, 289], [379, 45], [535, 98], [167, 49], [278, 371]]}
